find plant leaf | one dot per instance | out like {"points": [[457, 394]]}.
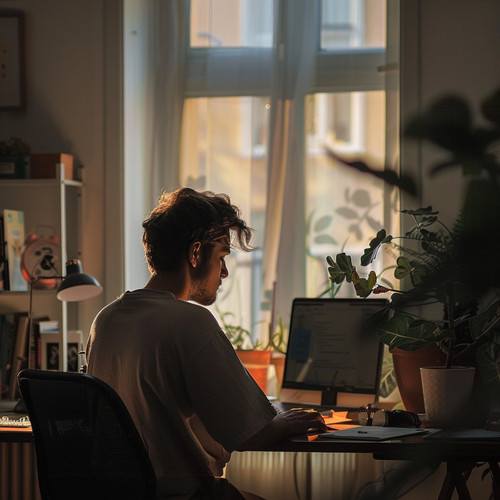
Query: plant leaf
{"points": [[402, 332], [406, 268], [403, 268], [363, 286], [370, 253], [420, 211], [341, 269]]}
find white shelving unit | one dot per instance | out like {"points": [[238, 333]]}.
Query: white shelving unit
{"points": [[55, 203]]}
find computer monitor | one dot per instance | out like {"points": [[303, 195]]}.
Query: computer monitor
{"points": [[334, 356]]}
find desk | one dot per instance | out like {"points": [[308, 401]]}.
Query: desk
{"points": [[460, 457], [19, 480], [16, 435]]}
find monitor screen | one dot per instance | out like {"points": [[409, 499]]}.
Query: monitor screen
{"points": [[332, 346]]}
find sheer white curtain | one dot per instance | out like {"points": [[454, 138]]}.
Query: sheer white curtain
{"points": [[154, 60], [168, 48], [284, 253]]}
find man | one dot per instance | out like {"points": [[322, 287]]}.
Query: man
{"points": [[185, 388]]}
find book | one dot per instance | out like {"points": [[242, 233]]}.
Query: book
{"points": [[35, 345], [6, 343], [4, 269], [3, 352], [19, 352], [13, 225]]}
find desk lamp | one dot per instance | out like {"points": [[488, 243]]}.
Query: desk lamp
{"points": [[76, 286]]}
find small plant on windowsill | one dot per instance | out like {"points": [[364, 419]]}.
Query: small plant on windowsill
{"points": [[455, 268], [255, 354], [242, 340], [240, 337]]}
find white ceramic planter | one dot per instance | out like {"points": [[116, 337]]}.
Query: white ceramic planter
{"points": [[447, 393]]}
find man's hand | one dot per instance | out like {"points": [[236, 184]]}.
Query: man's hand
{"points": [[299, 421], [287, 423]]}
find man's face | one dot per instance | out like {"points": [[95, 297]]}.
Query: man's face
{"points": [[208, 277]]}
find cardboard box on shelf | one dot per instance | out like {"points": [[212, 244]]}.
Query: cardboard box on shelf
{"points": [[44, 165]]}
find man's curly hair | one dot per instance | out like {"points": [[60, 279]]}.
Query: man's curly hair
{"points": [[184, 217]]}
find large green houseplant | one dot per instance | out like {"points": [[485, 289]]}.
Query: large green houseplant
{"points": [[454, 268]]}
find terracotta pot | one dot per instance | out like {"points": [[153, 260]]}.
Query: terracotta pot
{"points": [[407, 366], [278, 360], [257, 363]]}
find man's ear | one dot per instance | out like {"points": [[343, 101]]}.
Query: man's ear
{"points": [[194, 254]]}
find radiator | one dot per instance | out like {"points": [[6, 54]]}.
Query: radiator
{"points": [[298, 476], [18, 476]]}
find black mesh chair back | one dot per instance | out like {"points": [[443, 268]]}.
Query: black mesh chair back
{"points": [[87, 446]]}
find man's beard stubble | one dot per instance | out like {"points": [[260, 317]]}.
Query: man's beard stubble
{"points": [[198, 292]]}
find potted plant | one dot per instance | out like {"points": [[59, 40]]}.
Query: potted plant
{"points": [[277, 344], [453, 267], [253, 354], [14, 158]]}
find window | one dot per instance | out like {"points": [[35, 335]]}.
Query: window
{"points": [[268, 90], [225, 138]]}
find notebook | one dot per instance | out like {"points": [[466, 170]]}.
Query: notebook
{"points": [[334, 356]]}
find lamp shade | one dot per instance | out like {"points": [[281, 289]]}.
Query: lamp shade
{"points": [[77, 286]]}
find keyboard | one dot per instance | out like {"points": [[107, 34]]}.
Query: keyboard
{"points": [[14, 420], [282, 406]]}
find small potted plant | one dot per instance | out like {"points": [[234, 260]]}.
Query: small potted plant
{"points": [[253, 354], [14, 159], [453, 267]]}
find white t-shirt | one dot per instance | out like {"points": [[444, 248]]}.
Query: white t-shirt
{"points": [[184, 386]]}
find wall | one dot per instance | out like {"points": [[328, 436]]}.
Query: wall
{"points": [[67, 99], [450, 46]]}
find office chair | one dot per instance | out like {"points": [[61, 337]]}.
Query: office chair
{"points": [[87, 446]]}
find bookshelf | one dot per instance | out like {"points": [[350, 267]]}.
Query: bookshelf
{"points": [[54, 203]]}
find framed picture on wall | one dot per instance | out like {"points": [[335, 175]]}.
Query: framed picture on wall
{"points": [[12, 60], [50, 350]]}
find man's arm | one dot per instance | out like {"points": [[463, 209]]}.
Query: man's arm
{"points": [[288, 423]]}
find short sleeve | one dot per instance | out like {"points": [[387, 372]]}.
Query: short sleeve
{"points": [[227, 400]]}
